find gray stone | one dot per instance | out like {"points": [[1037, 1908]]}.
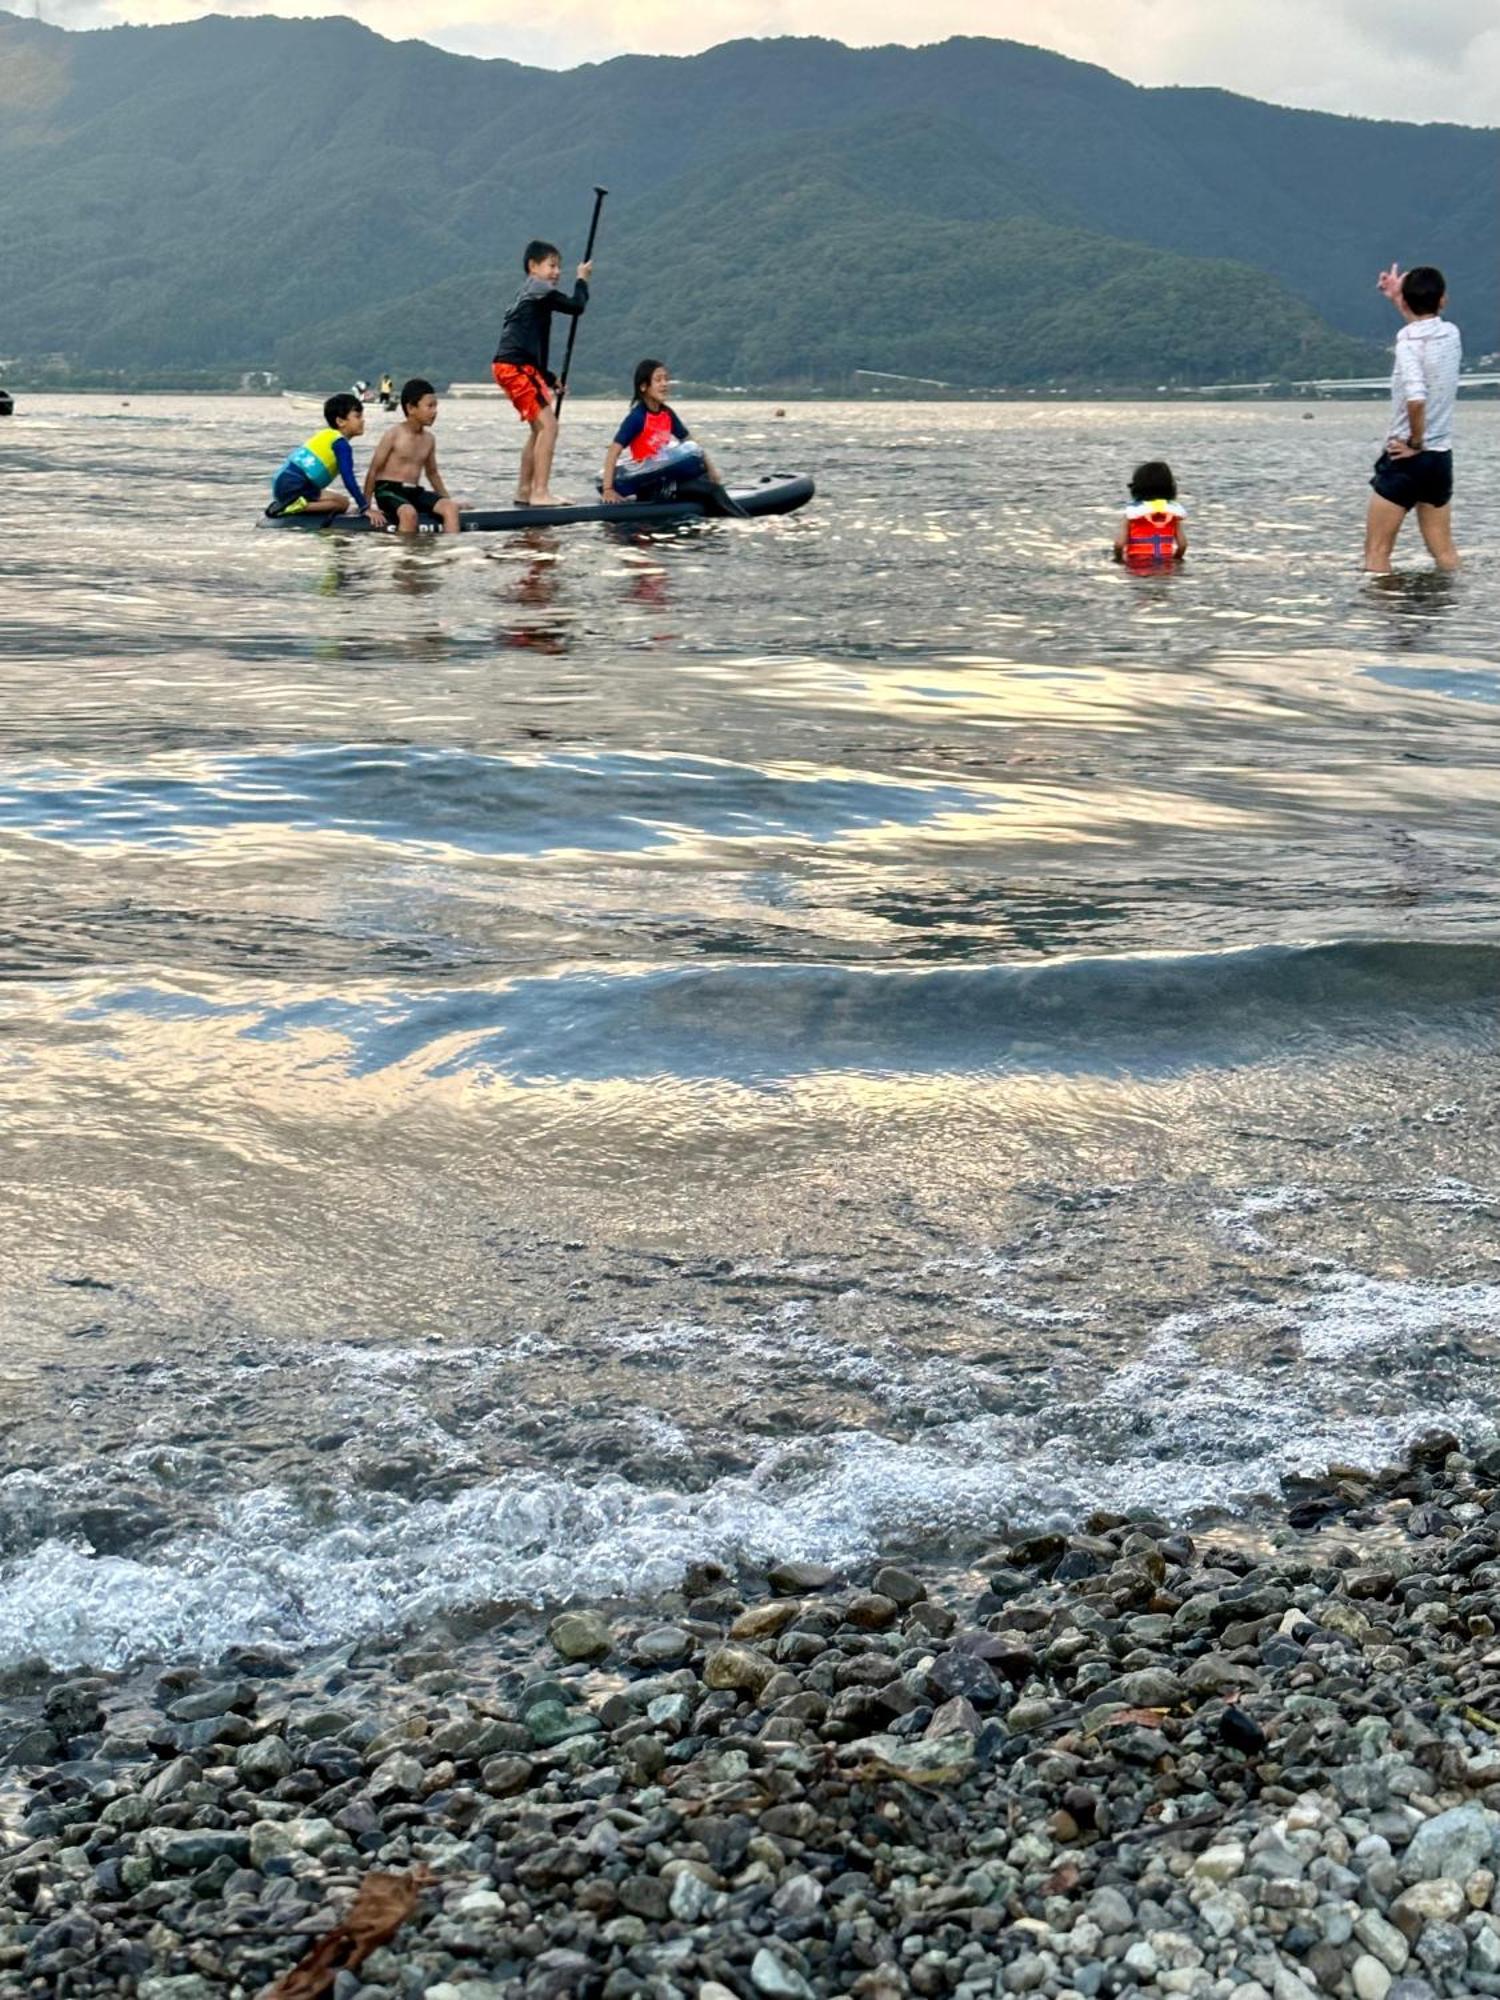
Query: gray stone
{"points": [[219, 1699], [1381, 1939], [552, 1722], [265, 1762], [503, 1776], [1451, 1844], [662, 1646], [270, 1840], [399, 1777], [1111, 1912], [800, 1579], [188, 1849], [740, 1668], [690, 1897], [1372, 1980], [72, 1707], [1443, 1949], [798, 1897], [580, 1635], [171, 1780], [776, 1980], [1149, 1687], [899, 1585]]}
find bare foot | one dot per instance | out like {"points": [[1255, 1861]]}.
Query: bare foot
{"points": [[550, 500], [523, 499]]}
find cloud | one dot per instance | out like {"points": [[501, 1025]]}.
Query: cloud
{"points": [[1375, 58]]}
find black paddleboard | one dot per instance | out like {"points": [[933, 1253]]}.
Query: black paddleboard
{"points": [[781, 494]]}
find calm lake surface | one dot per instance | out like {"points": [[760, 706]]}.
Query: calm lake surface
{"points": [[528, 1061]]}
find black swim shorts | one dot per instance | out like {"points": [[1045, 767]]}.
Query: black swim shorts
{"points": [[1424, 480], [389, 496]]}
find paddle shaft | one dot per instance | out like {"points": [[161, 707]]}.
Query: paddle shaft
{"points": [[588, 258]]}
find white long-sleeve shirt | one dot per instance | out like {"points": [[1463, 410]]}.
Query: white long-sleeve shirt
{"points": [[1428, 355]]}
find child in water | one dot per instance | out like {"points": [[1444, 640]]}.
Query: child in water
{"points": [[659, 453], [1152, 533]]}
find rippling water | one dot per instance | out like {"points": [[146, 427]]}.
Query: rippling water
{"points": [[529, 1060]]}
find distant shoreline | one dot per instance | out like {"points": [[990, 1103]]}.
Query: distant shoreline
{"points": [[1488, 392]]}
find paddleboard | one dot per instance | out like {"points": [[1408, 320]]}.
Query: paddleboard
{"points": [[783, 493]]}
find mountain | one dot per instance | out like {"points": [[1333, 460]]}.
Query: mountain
{"points": [[304, 194]]}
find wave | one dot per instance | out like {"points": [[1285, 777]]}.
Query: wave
{"points": [[270, 1570], [464, 801], [763, 1023]]}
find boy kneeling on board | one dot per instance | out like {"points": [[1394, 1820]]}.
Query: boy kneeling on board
{"points": [[300, 485], [521, 369], [393, 483]]}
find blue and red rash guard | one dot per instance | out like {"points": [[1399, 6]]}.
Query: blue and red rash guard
{"points": [[646, 432]]}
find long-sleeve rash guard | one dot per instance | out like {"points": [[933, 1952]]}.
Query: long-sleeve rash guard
{"points": [[326, 455], [1429, 354], [527, 331]]}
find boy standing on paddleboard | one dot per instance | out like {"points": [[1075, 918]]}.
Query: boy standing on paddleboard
{"points": [[1416, 467], [521, 364]]}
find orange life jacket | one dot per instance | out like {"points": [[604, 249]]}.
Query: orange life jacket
{"points": [[1151, 531]]}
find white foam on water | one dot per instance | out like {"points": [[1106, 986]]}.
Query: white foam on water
{"points": [[995, 1306], [1239, 1222], [266, 1570], [1357, 1315]]}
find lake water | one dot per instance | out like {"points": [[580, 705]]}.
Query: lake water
{"points": [[530, 1060]]}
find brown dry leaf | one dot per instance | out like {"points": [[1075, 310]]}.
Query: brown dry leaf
{"points": [[381, 1907], [1147, 1718]]}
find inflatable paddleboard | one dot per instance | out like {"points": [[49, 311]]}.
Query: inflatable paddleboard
{"points": [[781, 494]]}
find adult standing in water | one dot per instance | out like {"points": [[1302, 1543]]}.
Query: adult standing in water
{"points": [[1416, 467]]}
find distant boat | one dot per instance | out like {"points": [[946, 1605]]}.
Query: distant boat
{"points": [[7, 403]]}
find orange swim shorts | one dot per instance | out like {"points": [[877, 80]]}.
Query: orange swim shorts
{"points": [[526, 387]]}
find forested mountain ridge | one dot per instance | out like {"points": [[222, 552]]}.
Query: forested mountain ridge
{"points": [[306, 195]]}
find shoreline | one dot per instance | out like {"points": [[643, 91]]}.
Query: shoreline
{"points": [[1111, 1761]]}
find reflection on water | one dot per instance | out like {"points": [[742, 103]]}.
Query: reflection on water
{"points": [[597, 1046]]}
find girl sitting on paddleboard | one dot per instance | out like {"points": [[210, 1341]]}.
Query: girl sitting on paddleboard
{"points": [[659, 454], [1152, 533]]}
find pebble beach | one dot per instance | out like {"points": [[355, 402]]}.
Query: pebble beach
{"points": [[1258, 1764]]}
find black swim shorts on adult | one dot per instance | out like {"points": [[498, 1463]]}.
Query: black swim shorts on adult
{"points": [[1423, 480], [389, 496]]}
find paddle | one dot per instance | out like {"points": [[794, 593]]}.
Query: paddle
{"points": [[588, 258]]}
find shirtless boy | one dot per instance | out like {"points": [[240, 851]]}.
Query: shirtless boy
{"points": [[393, 484]]}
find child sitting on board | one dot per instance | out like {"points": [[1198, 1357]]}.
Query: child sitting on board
{"points": [[407, 451], [660, 457], [301, 484], [520, 364], [1152, 533]]}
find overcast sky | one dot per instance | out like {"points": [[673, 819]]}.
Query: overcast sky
{"points": [[1417, 59]]}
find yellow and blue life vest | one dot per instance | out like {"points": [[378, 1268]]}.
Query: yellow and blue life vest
{"points": [[317, 460]]}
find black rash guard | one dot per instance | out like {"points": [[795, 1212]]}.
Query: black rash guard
{"points": [[528, 324]]}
